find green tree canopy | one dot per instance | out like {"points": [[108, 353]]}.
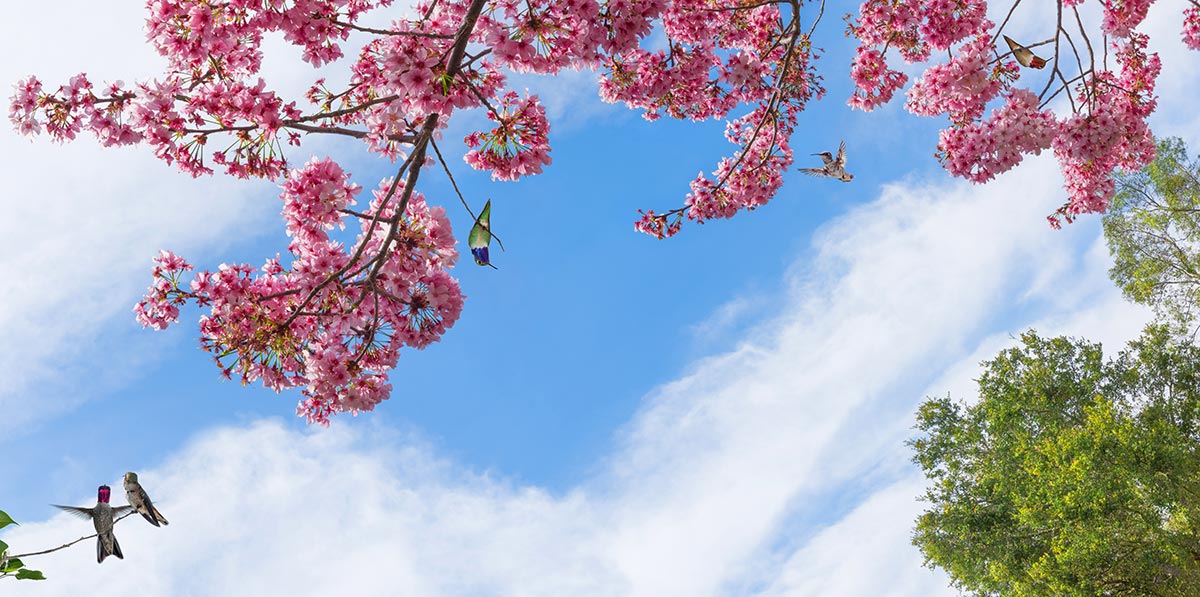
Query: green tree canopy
{"points": [[1153, 233], [1071, 474]]}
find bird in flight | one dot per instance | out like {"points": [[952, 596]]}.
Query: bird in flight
{"points": [[1024, 55], [835, 167]]}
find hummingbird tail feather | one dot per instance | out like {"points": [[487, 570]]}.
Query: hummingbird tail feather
{"points": [[149, 516], [159, 516], [102, 552]]}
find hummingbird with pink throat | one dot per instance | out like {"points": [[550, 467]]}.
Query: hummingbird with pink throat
{"points": [[102, 516]]}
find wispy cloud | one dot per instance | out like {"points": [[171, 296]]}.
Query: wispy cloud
{"points": [[763, 469]]}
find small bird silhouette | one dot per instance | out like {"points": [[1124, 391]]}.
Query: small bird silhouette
{"points": [[101, 515], [835, 167], [1024, 55], [141, 501]]}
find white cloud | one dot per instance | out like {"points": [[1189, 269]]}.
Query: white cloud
{"points": [[764, 469], [81, 223], [862, 553]]}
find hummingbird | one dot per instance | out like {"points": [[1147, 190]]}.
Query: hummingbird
{"points": [[835, 167], [1024, 55], [102, 516], [481, 236], [141, 502]]}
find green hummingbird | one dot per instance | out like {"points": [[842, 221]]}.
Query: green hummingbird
{"points": [[481, 236], [102, 516], [141, 502]]}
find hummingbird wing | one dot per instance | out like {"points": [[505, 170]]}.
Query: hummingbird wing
{"points": [[840, 160], [1012, 45], [84, 513], [147, 509], [815, 171], [119, 510]]}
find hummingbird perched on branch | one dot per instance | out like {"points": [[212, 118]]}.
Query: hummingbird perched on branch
{"points": [[141, 502], [835, 167], [102, 516], [1024, 55]]}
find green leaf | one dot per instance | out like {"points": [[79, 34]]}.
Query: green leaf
{"points": [[445, 79], [11, 565], [3, 547], [27, 574], [5, 520]]}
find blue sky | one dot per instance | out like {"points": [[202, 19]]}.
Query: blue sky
{"points": [[720, 413]]}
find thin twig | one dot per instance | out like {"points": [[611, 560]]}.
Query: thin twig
{"points": [[446, 167], [66, 545], [390, 32]]}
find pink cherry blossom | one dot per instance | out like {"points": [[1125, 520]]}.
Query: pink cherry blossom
{"points": [[1191, 27], [332, 316]]}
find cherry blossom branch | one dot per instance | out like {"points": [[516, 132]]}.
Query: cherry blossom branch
{"points": [[417, 158], [772, 104], [357, 252], [335, 21]]}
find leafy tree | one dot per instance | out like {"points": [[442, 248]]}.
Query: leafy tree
{"points": [[333, 318], [1153, 233], [1071, 474]]}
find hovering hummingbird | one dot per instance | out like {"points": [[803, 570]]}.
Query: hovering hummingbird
{"points": [[1024, 55], [481, 236], [141, 502], [102, 516], [835, 167]]}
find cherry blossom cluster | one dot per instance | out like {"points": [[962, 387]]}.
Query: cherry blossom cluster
{"points": [[331, 322], [980, 151], [874, 82], [749, 179], [332, 318], [1121, 16], [915, 28], [224, 36], [1105, 129], [660, 226], [961, 87], [715, 61], [518, 146], [543, 36], [71, 109], [1191, 27], [1112, 133]]}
